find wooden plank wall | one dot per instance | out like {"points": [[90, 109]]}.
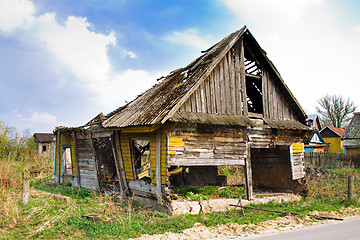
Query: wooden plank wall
{"points": [[192, 146], [275, 105], [86, 162], [220, 92]]}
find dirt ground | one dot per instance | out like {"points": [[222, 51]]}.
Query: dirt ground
{"points": [[232, 231]]}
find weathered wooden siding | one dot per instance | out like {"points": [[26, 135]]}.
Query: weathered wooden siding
{"points": [[221, 91], [275, 105], [196, 146], [86, 162], [216, 146]]}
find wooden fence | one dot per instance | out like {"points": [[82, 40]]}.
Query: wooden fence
{"points": [[331, 160]]}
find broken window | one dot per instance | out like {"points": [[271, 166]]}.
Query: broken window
{"points": [[140, 157]]}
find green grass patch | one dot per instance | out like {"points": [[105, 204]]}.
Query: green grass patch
{"points": [[208, 192]]}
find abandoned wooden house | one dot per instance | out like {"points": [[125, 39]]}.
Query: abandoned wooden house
{"points": [[229, 107], [44, 144], [84, 156]]}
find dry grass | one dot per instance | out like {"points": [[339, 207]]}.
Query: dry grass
{"points": [[14, 215], [335, 186]]}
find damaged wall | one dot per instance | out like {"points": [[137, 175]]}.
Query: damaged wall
{"points": [[92, 162]]}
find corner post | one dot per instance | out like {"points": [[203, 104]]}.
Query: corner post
{"points": [[248, 174], [158, 165]]}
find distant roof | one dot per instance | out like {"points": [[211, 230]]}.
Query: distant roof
{"points": [[44, 137], [353, 130], [161, 102], [338, 131]]}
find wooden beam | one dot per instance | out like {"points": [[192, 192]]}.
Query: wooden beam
{"points": [[158, 166], [252, 75], [139, 129], [76, 160], [58, 153], [119, 162], [242, 77], [97, 186], [205, 162], [248, 174]]}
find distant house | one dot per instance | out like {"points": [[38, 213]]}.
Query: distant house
{"points": [[45, 144], [351, 137], [313, 141], [332, 137]]}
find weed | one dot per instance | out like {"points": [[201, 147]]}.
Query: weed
{"points": [[207, 192]]}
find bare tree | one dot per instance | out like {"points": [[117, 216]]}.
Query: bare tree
{"points": [[335, 110]]}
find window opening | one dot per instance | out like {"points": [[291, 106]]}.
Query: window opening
{"points": [[253, 78], [66, 159], [140, 152], [44, 148], [254, 95]]}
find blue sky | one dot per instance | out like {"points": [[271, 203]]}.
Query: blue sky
{"points": [[63, 62]]}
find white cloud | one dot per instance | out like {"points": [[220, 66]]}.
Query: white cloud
{"points": [[270, 12], [189, 37], [42, 117], [35, 117], [356, 29], [125, 86], [76, 46], [73, 43], [130, 54], [15, 13]]}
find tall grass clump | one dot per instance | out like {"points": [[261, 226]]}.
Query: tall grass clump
{"points": [[17, 153]]}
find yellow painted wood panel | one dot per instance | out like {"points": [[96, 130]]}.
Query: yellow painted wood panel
{"points": [[125, 153], [335, 145], [298, 147], [153, 157], [73, 157]]}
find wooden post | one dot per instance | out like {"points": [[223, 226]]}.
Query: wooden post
{"points": [[158, 165], [248, 174], [25, 187], [351, 187]]}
